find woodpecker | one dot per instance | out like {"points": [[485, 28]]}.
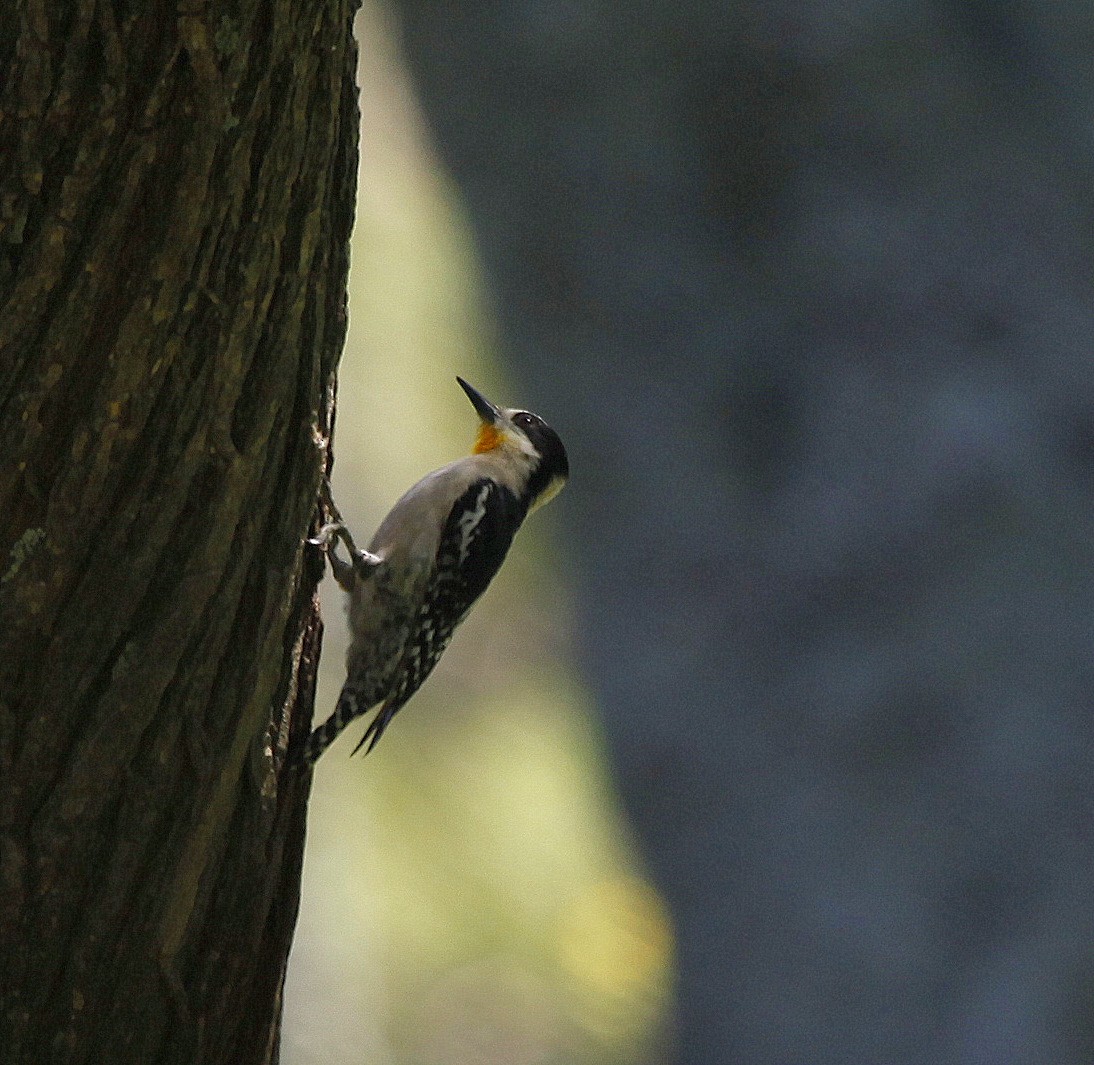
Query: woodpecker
{"points": [[430, 559]]}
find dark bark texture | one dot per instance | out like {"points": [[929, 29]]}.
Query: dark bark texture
{"points": [[806, 287], [176, 195]]}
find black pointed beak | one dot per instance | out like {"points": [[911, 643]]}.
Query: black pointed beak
{"points": [[487, 411]]}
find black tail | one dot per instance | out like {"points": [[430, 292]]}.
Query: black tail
{"points": [[377, 725]]}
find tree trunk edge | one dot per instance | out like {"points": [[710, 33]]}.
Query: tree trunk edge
{"points": [[96, 409]]}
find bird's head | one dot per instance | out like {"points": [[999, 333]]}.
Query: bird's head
{"points": [[524, 440]]}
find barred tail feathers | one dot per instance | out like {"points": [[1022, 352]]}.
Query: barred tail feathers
{"points": [[348, 707]]}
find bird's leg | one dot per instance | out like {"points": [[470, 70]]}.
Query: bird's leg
{"points": [[361, 563]]}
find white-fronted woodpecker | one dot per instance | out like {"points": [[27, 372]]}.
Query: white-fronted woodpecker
{"points": [[431, 558]]}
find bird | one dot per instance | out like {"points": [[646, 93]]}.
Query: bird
{"points": [[429, 561]]}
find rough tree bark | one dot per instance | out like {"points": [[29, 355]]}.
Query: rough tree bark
{"points": [[176, 195]]}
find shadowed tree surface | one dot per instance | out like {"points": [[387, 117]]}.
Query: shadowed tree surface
{"points": [[807, 290], [176, 197]]}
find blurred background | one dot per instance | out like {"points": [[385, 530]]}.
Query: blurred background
{"points": [[772, 743]]}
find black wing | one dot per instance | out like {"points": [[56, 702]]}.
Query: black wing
{"points": [[476, 538]]}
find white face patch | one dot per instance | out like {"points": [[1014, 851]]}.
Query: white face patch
{"points": [[516, 438]]}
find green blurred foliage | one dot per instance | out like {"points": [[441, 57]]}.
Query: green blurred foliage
{"points": [[471, 895]]}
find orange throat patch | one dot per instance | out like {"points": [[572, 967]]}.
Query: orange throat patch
{"points": [[488, 438]]}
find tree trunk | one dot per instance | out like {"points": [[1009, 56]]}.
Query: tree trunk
{"points": [[176, 196]]}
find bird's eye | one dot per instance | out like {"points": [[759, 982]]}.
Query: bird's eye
{"points": [[524, 419]]}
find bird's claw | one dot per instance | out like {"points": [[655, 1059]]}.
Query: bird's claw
{"points": [[361, 564], [364, 561], [331, 531]]}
